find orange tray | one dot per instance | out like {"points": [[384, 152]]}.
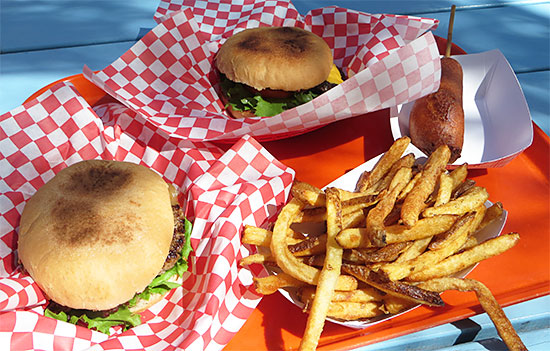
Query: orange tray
{"points": [[320, 156]]}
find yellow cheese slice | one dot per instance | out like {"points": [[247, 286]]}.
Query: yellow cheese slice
{"points": [[334, 75]]}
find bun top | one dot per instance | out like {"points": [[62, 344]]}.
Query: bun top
{"points": [[278, 58], [97, 233]]}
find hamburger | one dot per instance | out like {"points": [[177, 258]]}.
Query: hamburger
{"points": [[104, 240], [266, 70]]}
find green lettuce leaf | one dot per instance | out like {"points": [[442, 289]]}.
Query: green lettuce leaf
{"points": [[94, 320], [123, 316], [242, 99]]}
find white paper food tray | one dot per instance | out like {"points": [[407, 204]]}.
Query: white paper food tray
{"points": [[348, 182], [497, 122]]}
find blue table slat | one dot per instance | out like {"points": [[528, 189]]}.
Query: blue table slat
{"points": [[521, 32], [408, 7], [31, 25], [59, 23], [22, 74], [531, 319], [536, 88]]}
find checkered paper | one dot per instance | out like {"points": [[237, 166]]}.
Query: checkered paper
{"points": [[168, 76], [221, 191]]}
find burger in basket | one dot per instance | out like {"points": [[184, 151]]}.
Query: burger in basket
{"points": [[104, 240], [266, 70]]}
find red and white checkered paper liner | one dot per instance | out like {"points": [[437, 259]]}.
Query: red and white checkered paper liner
{"points": [[222, 191], [168, 76]]}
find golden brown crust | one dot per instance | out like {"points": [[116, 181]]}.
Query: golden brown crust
{"points": [[438, 118], [279, 58], [97, 233]]}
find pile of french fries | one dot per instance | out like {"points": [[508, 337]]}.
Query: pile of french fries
{"points": [[395, 242]]}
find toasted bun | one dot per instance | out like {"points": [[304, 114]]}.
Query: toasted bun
{"points": [[97, 233], [278, 58]]}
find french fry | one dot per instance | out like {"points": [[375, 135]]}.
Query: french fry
{"points": [[459, 174], [375, 218], [316, 197], [415, 250], [383, 165], [462, 188], [394, 304], [358, 203], [256, 236], [362, 181], [308, 193], [271, 283], [465, 203], [256, 258], [352, 238], [471, 242], [387, 253], [406, 161], [352, 256], [488, 302], [350, 311], [308, 215], [480, 212], [445, 190], [407, 189], [290, 264], [426, 227], [367, 294], [346, 196], [380, 280], [394, 216], [461, 229], [465, 259], [415, 201], [350, 206], [309, 246], [353, 219], [262, 237], [329, 274], [442, 240], [492, 214]]}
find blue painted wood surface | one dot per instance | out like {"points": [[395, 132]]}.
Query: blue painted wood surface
{"points": [[43, 41]]}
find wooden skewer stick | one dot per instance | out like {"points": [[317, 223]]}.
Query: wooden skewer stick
{"points": [[450, 32]]}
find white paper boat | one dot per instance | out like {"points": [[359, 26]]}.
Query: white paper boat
{"points": [[348, 182], [497, 122]]}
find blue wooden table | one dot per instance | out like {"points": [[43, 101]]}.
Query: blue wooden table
{"points": [[43, 41]]}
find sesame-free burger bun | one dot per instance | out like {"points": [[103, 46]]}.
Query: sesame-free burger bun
{"points": [[97, 233], [278, 58]]}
